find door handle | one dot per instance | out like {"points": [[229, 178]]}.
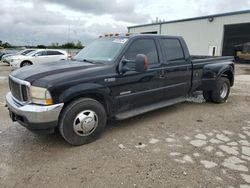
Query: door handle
{"points": [[162, 74]]}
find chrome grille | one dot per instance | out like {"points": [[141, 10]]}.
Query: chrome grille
{"points": [[19, 89]]}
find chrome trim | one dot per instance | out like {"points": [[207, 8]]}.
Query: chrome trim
{"points": [[34, 113], [21, 83]]}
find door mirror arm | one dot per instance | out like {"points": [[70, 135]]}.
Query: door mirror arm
{"points": [[123, 65]]}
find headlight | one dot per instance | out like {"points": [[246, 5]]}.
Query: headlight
{"points": [[40, 95]]}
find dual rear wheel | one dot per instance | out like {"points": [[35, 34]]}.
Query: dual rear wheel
{"points": [[220, 93]]}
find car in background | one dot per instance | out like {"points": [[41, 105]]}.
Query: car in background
{"points": [[6, 53], [242, 53], [38, 57], [2, 54], [6, 58]]}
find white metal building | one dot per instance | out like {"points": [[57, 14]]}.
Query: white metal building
{"points": [[206, 35]]}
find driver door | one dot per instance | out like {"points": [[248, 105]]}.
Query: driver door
{"points": [[135, 89]]}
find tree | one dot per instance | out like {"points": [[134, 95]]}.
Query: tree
{"points": [[6, 45], [41, 46], [79, 45]]}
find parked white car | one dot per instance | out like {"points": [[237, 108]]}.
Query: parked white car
{"points": [[37, 57], [6, 58]]}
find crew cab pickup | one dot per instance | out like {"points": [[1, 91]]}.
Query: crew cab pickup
{"points": [[114, 77]]}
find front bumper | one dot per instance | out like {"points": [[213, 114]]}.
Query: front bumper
{"points": [[32, 116]]}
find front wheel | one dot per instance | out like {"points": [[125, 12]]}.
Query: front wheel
{"points": [[221, 91], [82, 121], [26, 63]]}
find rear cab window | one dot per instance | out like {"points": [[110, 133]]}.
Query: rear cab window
{"points": [[173, 50]]}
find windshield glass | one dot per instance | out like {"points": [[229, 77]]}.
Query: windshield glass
{"points": [[31, 53], [26, 52], [104, 49]]}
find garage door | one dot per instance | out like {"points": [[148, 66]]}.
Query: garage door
{"points": [[235, 35]]}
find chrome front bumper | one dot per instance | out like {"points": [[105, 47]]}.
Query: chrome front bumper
{"points": [[32, 113]]}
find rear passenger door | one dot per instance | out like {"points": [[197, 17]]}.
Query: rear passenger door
{"points": [[177, 68]]}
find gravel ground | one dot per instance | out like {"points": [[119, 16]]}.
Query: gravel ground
{"points": [[193, 144]]}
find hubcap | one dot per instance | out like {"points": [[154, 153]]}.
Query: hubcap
{"points": [[85, 122], [223, 90]]}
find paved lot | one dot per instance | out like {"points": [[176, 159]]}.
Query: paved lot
{"points": [[192, 144]]}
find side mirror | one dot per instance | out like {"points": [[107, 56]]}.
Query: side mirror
{"points": [[35, 55], [141, 63]]}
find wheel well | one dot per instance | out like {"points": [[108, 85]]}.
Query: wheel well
{"points": [[96, 96], [228, 74], [26, 61]]}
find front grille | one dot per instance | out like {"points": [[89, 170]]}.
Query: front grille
{"points": [[19, 89]]}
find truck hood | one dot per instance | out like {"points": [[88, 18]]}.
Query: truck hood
{"points": [[47, 74]]}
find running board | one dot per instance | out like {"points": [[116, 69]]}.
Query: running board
{"points": [[148, 108]]}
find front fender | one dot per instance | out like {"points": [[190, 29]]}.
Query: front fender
{"points": [[83, 89]]}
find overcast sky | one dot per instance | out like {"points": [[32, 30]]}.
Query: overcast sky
{"points": [[33, 22]]}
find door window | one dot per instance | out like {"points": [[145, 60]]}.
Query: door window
{"points": [[173, 49], [54, 53], [143, 46], [41, 53]]}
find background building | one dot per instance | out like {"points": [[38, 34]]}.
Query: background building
{"points": [[206, 35]]}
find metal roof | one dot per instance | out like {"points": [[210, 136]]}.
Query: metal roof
{"points": [[195, 18]]}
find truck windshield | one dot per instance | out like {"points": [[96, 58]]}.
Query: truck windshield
{"points": [[104, 49]]}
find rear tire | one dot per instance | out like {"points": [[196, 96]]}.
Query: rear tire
{"points": [[82, 121], [221, 91]]}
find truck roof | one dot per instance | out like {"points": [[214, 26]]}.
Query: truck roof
{"points": [[138, 35]]}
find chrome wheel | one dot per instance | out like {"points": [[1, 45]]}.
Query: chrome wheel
{"points": [[223, 90], [85, 123]]}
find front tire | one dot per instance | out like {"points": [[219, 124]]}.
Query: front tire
{"points": [[82, 121], [221, 91], [26, 63]]}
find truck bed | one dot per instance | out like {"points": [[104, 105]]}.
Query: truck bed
{"points": [[201, 59]]}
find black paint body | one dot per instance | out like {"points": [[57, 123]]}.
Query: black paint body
{"points": [[68, 80]]}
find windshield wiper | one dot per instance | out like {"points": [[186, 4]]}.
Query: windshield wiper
{"points": [[88, 61]]}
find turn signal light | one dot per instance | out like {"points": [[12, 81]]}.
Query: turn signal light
{"points": [[49, 101]]}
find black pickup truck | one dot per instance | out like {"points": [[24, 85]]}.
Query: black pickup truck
{"points": [[114, 77]]}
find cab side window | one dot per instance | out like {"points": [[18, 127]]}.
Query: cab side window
{"points": [[143, 46], [173, 49]]}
